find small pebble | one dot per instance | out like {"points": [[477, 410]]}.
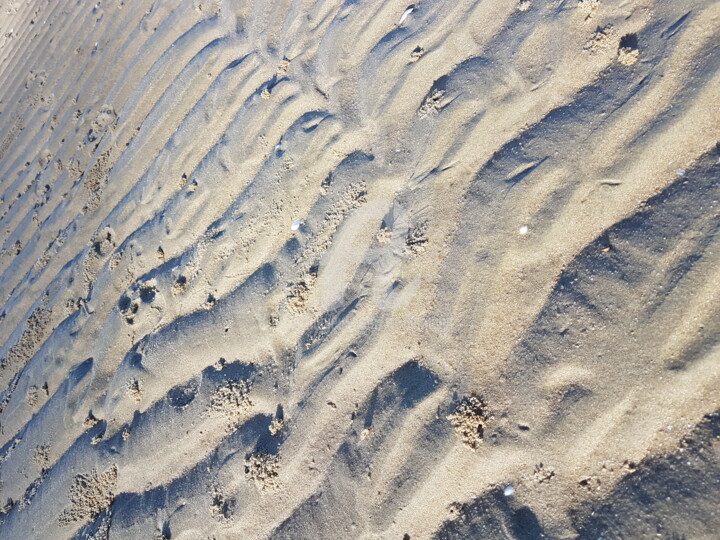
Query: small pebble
{"points": [[296, 224], [523, 229], [509, 491]]}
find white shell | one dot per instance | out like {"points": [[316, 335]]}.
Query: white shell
{"points": [[509, 491], [408, 11], [296, 224]]}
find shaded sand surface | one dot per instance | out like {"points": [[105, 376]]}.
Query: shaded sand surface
{"points": [[346, 269]]}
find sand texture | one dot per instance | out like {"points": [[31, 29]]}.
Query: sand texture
{"points": [[338, 269]]}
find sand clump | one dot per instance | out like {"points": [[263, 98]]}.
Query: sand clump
{"points": [[276, 426], [628, 56], [417, 53], [603, 39], [231, 402], [41, 456], [416, 239], [90, 494], [223, 506], [588, 8], [470, 420], [231, 398], [432, 104], [299, 292], [262, 469], [628, 52], [134, 388], [29, 341]]}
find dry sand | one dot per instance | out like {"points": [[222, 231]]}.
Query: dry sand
{"points": [[346, 269]]}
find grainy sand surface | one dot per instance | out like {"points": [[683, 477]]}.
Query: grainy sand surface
{"points": [[332, 269]]}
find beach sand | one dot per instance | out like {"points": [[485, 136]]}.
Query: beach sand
{"points": [[359, 269]]}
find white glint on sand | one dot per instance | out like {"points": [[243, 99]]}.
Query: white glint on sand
{"points": [[523, 230]]}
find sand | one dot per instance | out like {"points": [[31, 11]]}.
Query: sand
{"points": [[359, 269]]}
